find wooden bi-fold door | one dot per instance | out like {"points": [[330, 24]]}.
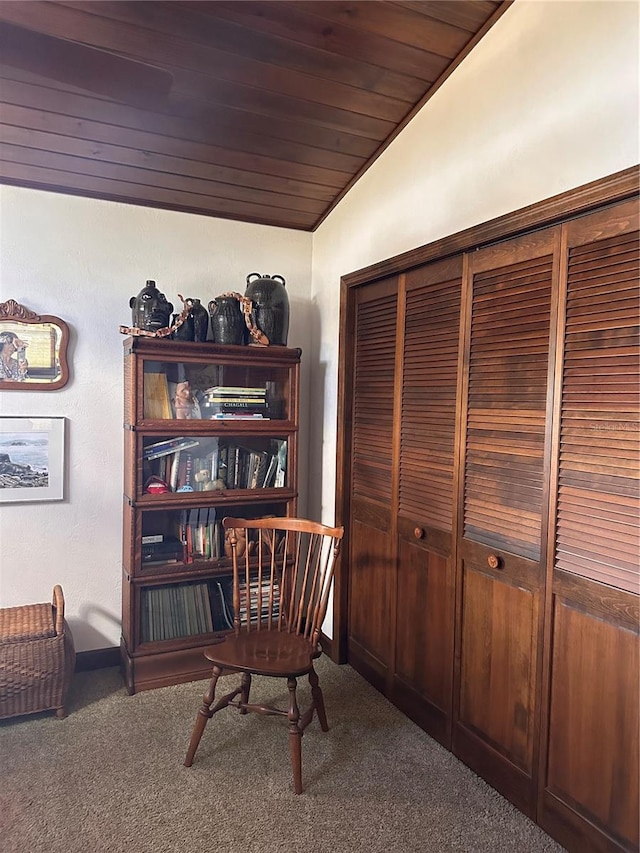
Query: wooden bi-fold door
{"points": [[589, 777], [423, 668], [502, 502], [373, 482]]}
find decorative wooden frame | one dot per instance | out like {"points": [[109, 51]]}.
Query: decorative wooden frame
{"points": [[48, 368], [31, 459]]}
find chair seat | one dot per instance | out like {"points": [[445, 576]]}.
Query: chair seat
{"points": [[264, 652]]}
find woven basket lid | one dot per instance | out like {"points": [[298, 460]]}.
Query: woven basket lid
{"points": [[29, 622]]}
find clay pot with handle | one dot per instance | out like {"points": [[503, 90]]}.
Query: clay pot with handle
{"points": [[227, 320], [270, 301]]}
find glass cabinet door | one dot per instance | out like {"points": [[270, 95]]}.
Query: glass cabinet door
{"points": [[214, 392], [215, 465]]}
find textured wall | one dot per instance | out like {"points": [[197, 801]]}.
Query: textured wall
{"points": [[81, 260]]}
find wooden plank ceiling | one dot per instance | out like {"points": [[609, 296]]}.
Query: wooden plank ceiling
{"points": [[258, 111]]}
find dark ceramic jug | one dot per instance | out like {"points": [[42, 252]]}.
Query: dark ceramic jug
{"points": [[270, 306], [200, 320], [227, 321], [150, 309], [185, 331]]}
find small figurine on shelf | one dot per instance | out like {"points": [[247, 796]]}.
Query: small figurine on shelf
{"points": [[241, 540], [183, 401], [156, 486], [204, 481]]}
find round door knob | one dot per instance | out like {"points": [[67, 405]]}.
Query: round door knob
{"points": [[494, 561], [418, 532]]}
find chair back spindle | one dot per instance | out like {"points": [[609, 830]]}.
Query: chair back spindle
{"points": [[282, 573]]}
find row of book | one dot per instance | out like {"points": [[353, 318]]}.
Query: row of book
{"points": [[179, 610], [200, 464], [220, 402], [202, 536], [242, 467], [224, 402], [189, 465], [260, 598], [198, 536], [184, 610]]}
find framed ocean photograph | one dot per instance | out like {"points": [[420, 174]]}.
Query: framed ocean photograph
{"points": [[31, 459]]}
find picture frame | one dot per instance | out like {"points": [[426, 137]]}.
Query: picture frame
{"points": [[31, 459], [33, 349]]}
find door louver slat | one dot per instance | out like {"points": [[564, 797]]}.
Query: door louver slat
{"points": [[505, 432], [373, 406], [429, 402], [599, 468]]}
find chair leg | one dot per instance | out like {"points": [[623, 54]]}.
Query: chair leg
{"points": [[318, 700], [295, 737], [204, 715], [244, 694]]}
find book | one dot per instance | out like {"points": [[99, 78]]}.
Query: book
{"points": [[167, 550], [188, 472], [219, 608], [261, 470], [229, 402], [238, 416], [170, 445], [235, 390], [231, 466], [174, 470], [157, 403], [270, 474], [281, 470]]}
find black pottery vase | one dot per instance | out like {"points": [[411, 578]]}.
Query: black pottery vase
{"points": [[227, 321], [270, 310], [184, 332], [150, 309], [200, 320]]}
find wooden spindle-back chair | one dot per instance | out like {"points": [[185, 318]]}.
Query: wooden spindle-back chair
{"points": [[282, 572]]}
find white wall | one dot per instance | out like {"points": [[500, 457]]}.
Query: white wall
{"points": [[81, 260]]}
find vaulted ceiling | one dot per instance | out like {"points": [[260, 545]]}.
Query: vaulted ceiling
{"points": [[258, 111]]}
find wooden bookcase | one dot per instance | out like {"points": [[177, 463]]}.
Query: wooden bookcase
{"points": [[182, 475]]}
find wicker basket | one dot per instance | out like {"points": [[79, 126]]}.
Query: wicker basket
{"points": [[37, 658]]}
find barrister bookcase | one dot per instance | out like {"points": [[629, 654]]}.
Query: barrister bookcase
{"points": [[209, 431]]}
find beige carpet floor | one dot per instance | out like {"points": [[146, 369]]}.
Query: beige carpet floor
{"points": [[110, 777]]}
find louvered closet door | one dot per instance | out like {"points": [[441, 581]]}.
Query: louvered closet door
{"points": [[371, 558], [425, 585], [503, 505], [590, 769]]}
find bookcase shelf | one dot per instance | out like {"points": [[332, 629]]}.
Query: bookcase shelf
{"points": [[209, 431]]}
